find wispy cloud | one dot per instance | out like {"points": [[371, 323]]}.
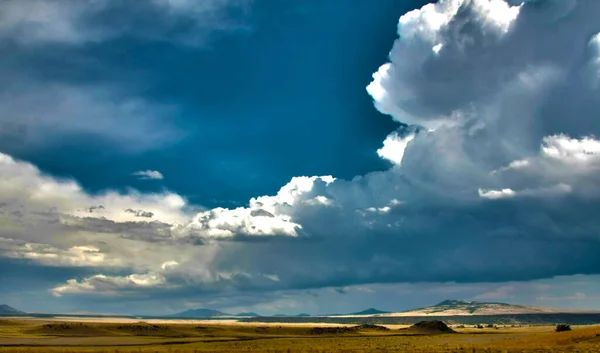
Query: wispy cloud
{"points": [[72, 22], [149, 175]]}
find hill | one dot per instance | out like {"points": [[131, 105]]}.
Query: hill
{"points": [[198, 313], [370, 311], [466, 308], [248, 314], [7, 310]]}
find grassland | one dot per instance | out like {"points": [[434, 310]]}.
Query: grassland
{"points": [[39, 335]]}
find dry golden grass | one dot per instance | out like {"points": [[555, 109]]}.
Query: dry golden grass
{"points": [[39, 336]]}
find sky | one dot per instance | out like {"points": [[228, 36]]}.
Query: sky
{"points": [[298, 156]]}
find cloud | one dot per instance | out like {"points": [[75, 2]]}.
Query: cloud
{"points": [[109, 285], [140, 213], [497, 194], [47, 112], [75, 256], [149, 175], [394, 147], [498, 183], [32, 22], [60, 89]]}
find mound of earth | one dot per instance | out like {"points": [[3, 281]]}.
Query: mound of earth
{"points": [[371, 327], [332, 330], [67, 328], [342, 330], [8, 323], [431, 327], [144, 328]]}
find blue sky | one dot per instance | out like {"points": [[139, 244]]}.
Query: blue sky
{"points": [[244, 104], [298, 156]]}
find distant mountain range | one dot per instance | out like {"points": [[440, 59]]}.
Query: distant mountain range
{"points": [[7, 310], [211, 313], [444, 308]]}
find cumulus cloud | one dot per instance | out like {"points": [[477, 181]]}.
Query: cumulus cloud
{"points": [[394, 146], [149, 175], [266, 215]]}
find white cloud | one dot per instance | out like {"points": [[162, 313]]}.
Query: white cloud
{"points": [[110, 285], [552, 191], [149, 175], [397, 86], [572, 151], [75, 256], [23, 186], [497, 194], [562, 165], [266, 215], [394, 146]]}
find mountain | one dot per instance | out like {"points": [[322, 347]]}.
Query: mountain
{"points": [[466, 308], [303, 315], [7, 310], [370, 311], [248, 314], [192, 313]]}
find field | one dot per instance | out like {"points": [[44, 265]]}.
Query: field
{"points": [[125, 336]]}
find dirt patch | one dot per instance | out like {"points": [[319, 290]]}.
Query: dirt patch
{"points": [[4, 322], [143, 328], [67, 329], [146, 329], [331, 330], [371, 327], [345, 329], [430, 327]]}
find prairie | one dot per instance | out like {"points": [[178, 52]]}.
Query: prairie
{"points": [[129, 336]]}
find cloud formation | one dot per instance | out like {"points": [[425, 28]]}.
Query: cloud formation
{"points": [[496, 178], [149, 175], [33, 22], [54, 47]]}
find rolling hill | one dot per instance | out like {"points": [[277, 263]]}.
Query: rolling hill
{"points": [[248, 314], [7, 310], [200, 313], [466, 308], [370, 311]]}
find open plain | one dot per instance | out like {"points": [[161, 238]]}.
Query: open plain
{"points": [[34, 335]]}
